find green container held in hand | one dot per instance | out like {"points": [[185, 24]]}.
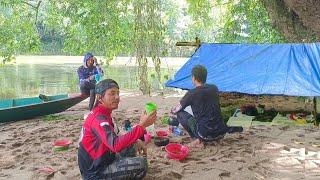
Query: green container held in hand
{"points": [[150, 108]]}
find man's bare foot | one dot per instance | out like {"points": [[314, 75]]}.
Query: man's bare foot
{"points": [[196, 144]]}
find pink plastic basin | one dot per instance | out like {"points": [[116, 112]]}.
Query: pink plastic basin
{"points": [[177, 151]]}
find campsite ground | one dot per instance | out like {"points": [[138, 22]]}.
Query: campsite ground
{"points": [[260, 152]]}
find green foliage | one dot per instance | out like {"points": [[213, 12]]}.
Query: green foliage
{"points": [[110, 28], [59, 117], [102, 27], [7, 93], [51, 117], [148, 38], [247, 21], [227, 112], [17, 33], [203, 22]]}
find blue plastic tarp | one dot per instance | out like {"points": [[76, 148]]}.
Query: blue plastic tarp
{"points": [[280, 69]]}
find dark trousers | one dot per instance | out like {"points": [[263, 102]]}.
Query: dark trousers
{"points": [[88, 89], [189, 123], [126, 166]]}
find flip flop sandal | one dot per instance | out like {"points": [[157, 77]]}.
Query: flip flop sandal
{"points": [[47, 170], [298, 142], [316, 145]]}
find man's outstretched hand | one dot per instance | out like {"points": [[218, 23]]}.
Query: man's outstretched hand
{"points": [[146, 120]]}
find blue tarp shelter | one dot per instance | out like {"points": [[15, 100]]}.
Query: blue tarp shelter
{"points": [[280, 69]]}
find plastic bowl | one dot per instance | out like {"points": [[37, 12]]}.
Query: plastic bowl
{"points": [[177, 151], [161, 141], [162, 133], [60, 145]]}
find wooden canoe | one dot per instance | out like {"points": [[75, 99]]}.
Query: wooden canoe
{"points": [[27, 108]]}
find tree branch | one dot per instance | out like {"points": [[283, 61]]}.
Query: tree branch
{"points": [[27, 3], [34, 7], [37, 11]]}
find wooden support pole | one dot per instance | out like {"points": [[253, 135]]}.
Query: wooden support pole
{"points": [[315, 113], [197, 43]]}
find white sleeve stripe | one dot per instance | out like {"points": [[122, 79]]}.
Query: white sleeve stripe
{"points": [[104, 124]]}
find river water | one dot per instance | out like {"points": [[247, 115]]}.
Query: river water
{"points": [[26, 80]]}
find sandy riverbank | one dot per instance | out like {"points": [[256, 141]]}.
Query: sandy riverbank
{"points": [[260, 152]]}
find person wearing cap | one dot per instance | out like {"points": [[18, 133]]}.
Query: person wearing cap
{"points": [[89, 73], [102, 154]]}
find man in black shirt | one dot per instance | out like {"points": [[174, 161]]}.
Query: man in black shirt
{"points": [[205, 122]]}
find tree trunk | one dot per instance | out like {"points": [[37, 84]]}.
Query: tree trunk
{"points": [[143, 75], [140, 45], [297, 20]]}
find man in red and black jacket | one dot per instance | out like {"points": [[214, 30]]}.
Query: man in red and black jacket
{"points": [[99, 154]]}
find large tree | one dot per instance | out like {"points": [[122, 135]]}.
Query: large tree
{"points": [[297, 20]]}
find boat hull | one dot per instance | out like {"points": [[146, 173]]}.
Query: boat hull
{"points": [[48, 106]]}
